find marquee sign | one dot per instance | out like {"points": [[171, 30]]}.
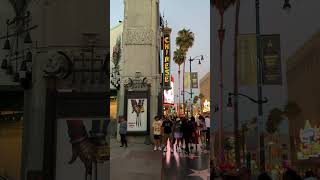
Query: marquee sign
{"points": [[166, 61]]}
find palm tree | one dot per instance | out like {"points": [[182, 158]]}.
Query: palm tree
{"points": [[178, 58], [274, 120], [222, 6], [292, 110], [184, 41]]}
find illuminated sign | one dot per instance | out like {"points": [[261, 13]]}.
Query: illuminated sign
{"points": [[169, 94], [310, 142], [166, 60], [206, 106]]}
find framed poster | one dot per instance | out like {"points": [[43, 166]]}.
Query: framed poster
{"points": [[82, 149], [137, 112]]}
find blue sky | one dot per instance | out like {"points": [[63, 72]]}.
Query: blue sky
{"points": [[190, 14]]}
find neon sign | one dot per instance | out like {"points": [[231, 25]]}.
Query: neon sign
{"points": [[166, 61]]}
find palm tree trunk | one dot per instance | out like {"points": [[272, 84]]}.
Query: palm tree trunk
{"points": [[235, 90], [183, 97], [179, 91]]}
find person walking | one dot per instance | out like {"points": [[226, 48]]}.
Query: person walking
{"points": [[178, 133], [310, 176], [207, 121], [203, 131], [167, 130], [188, 129], [123, 131], [157, 133], [195, 136]]}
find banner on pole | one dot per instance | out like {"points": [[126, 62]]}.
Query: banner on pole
{"points": [[247, 59], [271, 59], [194, 80], [187, 80]]}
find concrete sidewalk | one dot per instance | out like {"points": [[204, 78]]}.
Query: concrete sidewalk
{"points": [[136, 162]]}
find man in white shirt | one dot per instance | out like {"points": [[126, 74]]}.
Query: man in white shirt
{"points": [[207, 120]]}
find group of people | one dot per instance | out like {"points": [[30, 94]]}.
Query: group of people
{"points": [[245, 174], [185, 133]]}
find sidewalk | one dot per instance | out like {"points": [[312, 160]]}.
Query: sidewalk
{"points": [[136, 162]]}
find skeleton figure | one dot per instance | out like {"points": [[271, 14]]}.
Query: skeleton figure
{"points": [[138, 109]]}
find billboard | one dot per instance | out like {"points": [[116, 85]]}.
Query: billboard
{"points": [[168, 95], [166, 61]]}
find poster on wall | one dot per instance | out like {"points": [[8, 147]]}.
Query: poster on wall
{"points": [[137, 115], [82, 150]]}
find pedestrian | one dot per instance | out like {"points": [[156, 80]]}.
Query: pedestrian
{"points": [[188, 129], [207, 120], [264, 176], [310, 175], [291, 175], [167, 133], [195, 134], [123, 131], [157, 133], [178, 133], [203, 131]]}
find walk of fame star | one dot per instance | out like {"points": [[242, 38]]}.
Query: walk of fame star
{"points": [[203, 174]]}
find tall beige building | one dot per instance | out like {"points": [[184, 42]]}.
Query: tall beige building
{"points": [[141, 47]]}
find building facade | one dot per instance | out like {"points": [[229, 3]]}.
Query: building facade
{"points": [[67, 79], [140, 77], [303, 68]]}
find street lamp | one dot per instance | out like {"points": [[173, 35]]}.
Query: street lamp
{"points": [[286, 6], [198, 58], [236, 130]]}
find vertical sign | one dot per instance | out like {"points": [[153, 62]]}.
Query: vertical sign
{"points": [[187, 80], [166, 58], [194, 80], [247, 59], [271, 60]]}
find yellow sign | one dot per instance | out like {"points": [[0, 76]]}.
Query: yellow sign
{"points": [[166, 60]]}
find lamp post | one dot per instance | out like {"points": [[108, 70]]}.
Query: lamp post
{"points": [[198, 58], [236, 131], [286, 6]]}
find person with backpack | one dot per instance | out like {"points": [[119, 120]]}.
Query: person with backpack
{"points": [[188, 129], [177, 129]]}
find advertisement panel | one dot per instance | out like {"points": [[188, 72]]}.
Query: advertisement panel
{"points": [[194, 80], [271, 59], [169, 94], [247, 59], [166, 61], [310, 142], [137, 114]]}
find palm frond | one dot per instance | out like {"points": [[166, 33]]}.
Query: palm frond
{"points": [[179, 56], [223, 5]]}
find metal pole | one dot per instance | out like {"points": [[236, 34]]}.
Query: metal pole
{"points": [[259, 86], [191, 101]]}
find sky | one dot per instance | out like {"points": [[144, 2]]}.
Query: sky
{"points": [[190, 14]]}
